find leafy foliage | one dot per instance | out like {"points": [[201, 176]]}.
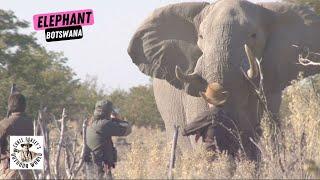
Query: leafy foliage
{"points": [[313, 3], [47, 81], [138, 106], [42, 75]]}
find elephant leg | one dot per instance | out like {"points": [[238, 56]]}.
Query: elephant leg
{"points": [[274, 101], [170, 106], [193, 107]]}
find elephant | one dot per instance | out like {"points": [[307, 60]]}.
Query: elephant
{"points": [[186, 47]]}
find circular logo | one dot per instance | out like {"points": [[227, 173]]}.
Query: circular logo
{"points": [[26, 152]]}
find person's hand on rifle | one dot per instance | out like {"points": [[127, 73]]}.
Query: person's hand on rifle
{"points": [[115, 115]]}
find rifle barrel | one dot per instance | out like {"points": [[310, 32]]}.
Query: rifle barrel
{"points": [[12, 90]]}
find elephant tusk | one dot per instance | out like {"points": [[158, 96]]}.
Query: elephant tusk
{"points": [[253, 71], [185, 77]]}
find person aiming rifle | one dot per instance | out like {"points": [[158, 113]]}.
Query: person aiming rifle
{"points": [[101, 155]]}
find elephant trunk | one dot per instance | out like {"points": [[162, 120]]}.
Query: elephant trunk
{"points": [[193, 83], [216, 94]]}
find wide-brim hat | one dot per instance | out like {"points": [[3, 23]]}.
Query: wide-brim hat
{"points": [[26, 144], [215, 94]]}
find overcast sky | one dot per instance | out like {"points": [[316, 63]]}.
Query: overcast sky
{"points": [[103, 50]]}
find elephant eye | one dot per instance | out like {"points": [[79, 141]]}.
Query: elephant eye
{"points": [[253, 35], [200, 36]]}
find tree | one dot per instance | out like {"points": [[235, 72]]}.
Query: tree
{"points": [[41, 75], [313, 3], [85, 96], [138, 106], [46, 80]]}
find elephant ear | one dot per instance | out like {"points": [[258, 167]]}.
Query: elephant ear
{"points": [[293, 24], [293, 12], [168, 38]]}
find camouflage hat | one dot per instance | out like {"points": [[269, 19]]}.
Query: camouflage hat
{"points": [[103, 107]]}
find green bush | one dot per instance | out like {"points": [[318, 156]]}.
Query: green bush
{"points": [[47, 81], [138, 106]]}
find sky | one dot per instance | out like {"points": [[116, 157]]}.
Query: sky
{"points": [[102, 52]]}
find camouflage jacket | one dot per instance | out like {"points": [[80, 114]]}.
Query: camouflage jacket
{"points": [[99, 135], [18, 124]]}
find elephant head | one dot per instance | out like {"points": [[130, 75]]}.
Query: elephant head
{"points": [[168, 38], [197, 45]]}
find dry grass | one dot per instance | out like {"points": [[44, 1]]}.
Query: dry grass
{"points": [[298, 156], [147, 156]]}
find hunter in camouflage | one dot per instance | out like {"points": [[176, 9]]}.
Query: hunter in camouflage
{"points": [[101, 154]]}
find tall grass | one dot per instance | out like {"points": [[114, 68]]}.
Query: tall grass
{"points": [[298, 156]]}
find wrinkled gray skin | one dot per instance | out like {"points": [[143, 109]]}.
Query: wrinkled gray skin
{"points": [[208, 40]]}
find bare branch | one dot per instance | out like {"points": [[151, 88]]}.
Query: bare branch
{"points": [[303, 58], [257, 145], [259, 91], [306, 50], [306, 62], [74, 151], [83, 150], [273, 124], [236, 134], [35, 133], [35, 127], [63, 124], [73, 155], [44, 132], [67, 162]]}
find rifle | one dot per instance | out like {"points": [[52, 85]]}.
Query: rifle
{"points": [[13, 90], [108, 166], [173, 151]]}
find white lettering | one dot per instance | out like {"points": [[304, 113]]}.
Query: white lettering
{"points": [[61, 34], [48, 35]]}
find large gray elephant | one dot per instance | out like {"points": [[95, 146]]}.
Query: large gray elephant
{"points": [[187, 46]]}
